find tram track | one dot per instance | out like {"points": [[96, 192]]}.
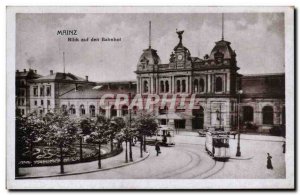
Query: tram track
{"points": [[191, 164], [214, 170]]}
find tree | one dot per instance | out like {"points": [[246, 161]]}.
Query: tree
{"points": [[116, 125], [85, 125], [62, 131], [126, 135], [99, 128], [28, 132], [145, 125]]}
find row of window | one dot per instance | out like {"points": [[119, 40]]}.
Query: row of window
{"points": [[42, 90], [21, 102], [92, 110], [199, 86], [42, 102]]}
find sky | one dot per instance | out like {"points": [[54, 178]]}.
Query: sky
{"points": [[257, 38]]}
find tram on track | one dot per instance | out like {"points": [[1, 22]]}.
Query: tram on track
{"points": [[217, 144]]}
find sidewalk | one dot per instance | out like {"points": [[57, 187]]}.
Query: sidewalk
{"points": [[259, 137], [80, 168], [254, 137]]}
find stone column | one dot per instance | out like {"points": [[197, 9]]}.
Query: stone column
{"points": [[228, 82], [208, 83], [188, 124]]}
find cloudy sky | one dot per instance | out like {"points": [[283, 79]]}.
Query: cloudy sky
{"points": [[258, 40]]}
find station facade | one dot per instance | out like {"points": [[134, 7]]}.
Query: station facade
{"points": [[223, 97]]}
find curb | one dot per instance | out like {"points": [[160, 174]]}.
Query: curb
{"points": [[236, 158], [93, 171]]}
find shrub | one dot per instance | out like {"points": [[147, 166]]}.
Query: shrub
{"points": [[278, 131]]}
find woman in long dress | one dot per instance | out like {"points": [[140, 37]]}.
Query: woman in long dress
{"points": [[269, 161]]}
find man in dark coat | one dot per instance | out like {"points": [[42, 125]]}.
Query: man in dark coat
{"points": [[157, 148]]}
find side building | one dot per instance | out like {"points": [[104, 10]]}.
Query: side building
{"points": [[23, 79], [45, 92]]}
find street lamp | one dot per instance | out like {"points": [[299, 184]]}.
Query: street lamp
{"points": [[238, 151]]}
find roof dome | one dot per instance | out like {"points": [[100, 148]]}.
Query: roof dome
{"points": [[223, 47], [149, 56]]}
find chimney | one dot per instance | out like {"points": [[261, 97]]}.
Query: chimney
{"points": [[17, 71], [24, 70], [86, 78], [51, 72], [35, 71]]}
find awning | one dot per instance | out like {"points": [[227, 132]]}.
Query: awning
{"points": [[174, 116]]}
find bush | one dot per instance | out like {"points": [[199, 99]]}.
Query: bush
{"points": [[278, 131], [250, 126]]}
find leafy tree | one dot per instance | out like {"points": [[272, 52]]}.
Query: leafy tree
{"points": [[61, 131], [29, 131], [85, 125], [145, 125], [99, 128], [116, 125], [126, 135]]}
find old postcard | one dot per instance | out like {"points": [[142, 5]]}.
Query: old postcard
{"points": [[150, 98]]}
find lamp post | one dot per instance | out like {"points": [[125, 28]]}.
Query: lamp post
{"points": [[238, 150], [130, 141]]}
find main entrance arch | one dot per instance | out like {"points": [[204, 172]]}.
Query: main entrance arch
{"points": [[198, 118]]}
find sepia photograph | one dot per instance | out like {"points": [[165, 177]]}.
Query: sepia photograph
{"points": [[150, 98]]}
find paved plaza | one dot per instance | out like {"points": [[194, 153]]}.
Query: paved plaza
{"points": [[186, 160]]}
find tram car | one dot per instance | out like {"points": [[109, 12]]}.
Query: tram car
{"points": [[165, 135], [217, 144]]}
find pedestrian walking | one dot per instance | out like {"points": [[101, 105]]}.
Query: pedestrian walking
{"points": [[283, 147], [269, 161], [157, 148]]}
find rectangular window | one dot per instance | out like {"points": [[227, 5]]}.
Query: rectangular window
{"points": [[35, 103], [35, 91], [23, 111], [48, 102], [48, 89], [42, 91], [42, 102], [22, 102], [22, 92]]}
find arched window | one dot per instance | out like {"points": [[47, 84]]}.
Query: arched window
{"points": [[196, 87], [162, 87], [145, 86], [124, 110], [102, 111], [198, 120], [82, 110], [219, 84], [72, 109], [267, 112], [167, 86], [92, 111], [135, 110], [183, 86], [113, 111], [247, 113], [201, 85], [178, 86]]}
